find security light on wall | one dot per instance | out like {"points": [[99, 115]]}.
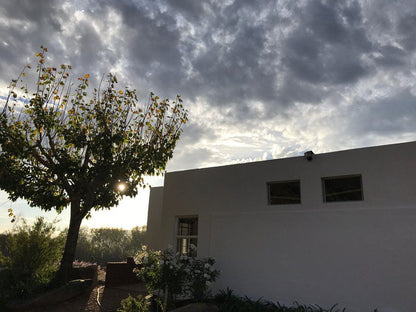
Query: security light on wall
{"points": [[308, 155]]}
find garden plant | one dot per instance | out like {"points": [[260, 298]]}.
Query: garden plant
{"points": [[173, 275], [32, 254]]}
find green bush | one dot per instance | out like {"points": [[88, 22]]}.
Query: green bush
{"points": [[131, 304], [33, 254]]}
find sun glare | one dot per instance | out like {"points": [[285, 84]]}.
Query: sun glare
{"points": [[121, 187]]}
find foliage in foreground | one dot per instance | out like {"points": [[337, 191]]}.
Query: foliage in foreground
{"points": [[131, 304], [173, 274], [228, 302], [65, 145], [32, 258]]}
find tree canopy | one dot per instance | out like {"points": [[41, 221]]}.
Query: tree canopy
{"points": [[65, 144]]}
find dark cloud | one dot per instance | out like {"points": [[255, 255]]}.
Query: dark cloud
{"points": [[193, 133], [293, 90], [389, 115], [251, 63], [231, 74], [328, 44], [189, 8], [25, 25], [391, 56], [406, 29]]}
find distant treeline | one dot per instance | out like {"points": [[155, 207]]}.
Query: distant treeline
{"points": [[101, 245], [109, 244]]}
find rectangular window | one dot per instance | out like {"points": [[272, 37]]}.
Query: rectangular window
{"points": [[187, 236], [343, 188], [284, 192]]}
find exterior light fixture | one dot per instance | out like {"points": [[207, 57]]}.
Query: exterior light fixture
{"points": [[309, 155]]}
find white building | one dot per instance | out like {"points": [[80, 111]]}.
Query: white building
{"points": [[340, 228]]}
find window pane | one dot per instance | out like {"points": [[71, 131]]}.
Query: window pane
{"points": [[186, 241], [182, 246], [281, 193], [183, 228], [188, 226], [187, 246], [342, 189], [193, 247]]}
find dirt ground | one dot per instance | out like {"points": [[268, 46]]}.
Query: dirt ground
{"points": [[99, 299]]}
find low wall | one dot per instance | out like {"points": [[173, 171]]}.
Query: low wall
{"points": [[121, 273], [85, 272]]}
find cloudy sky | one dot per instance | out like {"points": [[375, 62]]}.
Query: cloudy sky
{"points": [[261, 79]]}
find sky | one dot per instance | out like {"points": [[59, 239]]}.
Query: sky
{"points": [[261, 79]]}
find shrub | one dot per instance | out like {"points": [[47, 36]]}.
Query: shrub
{"points": [[228, 302], [131, 304], [201, 275], [162, 272], [174, 274], [33, 254]]}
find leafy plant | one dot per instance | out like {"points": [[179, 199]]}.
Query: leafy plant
{"points": [[172, 274], [63, 145], [33, 254], [228, 302], [200, 276], [131, 304], [162, 273]]}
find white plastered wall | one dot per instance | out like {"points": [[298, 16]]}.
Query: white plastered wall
{"points": [[361, 255], [154, 218]]}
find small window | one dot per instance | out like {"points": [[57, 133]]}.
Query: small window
{"points": [[345, 188], [187, 236], [283, 193]]}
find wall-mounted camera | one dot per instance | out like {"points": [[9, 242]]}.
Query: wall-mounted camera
{"points": [[309, 155]]}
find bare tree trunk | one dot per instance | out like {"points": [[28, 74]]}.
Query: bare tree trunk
{"points": [[64, 273]]}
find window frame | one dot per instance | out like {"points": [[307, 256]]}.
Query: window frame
{"points": [[323, 179], [268, 184], [187, 237]]}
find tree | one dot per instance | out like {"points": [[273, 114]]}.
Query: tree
{"points": [[110, 244], [138, 234], [61, 146], [103, 245]]}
